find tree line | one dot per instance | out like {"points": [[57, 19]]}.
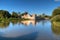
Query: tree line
{"points": [[6, 14], [56, 14]]}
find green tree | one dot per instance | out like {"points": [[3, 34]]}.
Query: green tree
{"points": [[19, 15], [56, 11], [14, 15], [4, 14], [25, 13]]}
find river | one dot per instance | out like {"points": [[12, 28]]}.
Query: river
{"points": [[29, 30]]}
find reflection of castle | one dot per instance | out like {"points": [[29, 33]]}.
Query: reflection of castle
{"points": [[33, 22], [27, 22]]}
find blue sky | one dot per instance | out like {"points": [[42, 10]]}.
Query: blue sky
{"points": [[31, 6]]}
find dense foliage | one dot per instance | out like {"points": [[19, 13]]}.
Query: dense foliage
{"points": [[14, 15], [4, 14], [56, 15], [56, 11]]}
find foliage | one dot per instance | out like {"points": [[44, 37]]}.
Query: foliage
{"points": [[4, 14], [24, 13], [14, 15], [56, 11], [56, 18]]}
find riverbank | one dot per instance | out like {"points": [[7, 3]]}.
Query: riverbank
{"points": [[11, 19], [56, 20]]}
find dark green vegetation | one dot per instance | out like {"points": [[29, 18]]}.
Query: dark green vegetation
{"points": [[56, 15], [44, 16], [56, 21], [5, 15], [56, 11]]}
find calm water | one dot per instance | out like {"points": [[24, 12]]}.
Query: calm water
{"points": [[29, 30]]}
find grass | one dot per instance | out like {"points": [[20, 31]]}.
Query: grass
{"points": [[56, 18], [10, 19]]}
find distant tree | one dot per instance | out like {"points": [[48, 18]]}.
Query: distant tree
{"points": [[14, 15], [19, 15], [43, 15], [24, 13], [4, 14], [56, 11]]}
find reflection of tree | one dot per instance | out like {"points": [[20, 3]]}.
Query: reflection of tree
{"points": [[24, 22], [4, 24], [56, 28], [14, 21], [43, 22]]}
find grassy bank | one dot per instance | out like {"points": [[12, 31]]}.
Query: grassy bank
{"points": [[56, 18], [56, 24], [11, 19]]}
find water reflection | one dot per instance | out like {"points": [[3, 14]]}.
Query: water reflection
{"points": [[4, 24], [37, 29], [56, 28], [14, 22], [24, 37], [25, 22], [16, 28], [33, 22]]}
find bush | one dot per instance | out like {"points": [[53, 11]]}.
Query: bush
{"points": [[56, 11]]}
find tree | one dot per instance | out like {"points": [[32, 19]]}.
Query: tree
{"points": [[14, 15], [43, 15], [56, 11], [19, 15], [25, 13], [4, 14]]}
